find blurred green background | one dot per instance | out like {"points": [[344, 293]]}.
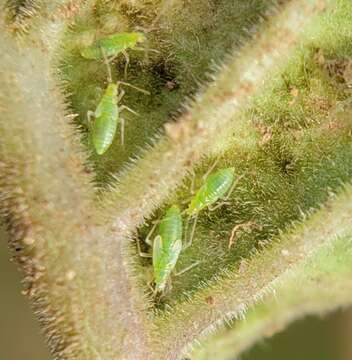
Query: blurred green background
{"points": [[308, 339]]}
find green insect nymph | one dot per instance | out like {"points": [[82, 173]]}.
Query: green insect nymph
{"points": [[215, 187], [106, 118], [167, 247], [112, 45]]}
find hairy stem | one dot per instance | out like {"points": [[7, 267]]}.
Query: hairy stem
{"points": [[318, 286], [73, 268]]}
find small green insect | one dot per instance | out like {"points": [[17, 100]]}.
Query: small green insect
{"points": [[107, 116], [218, 185], [113, 45], [167, 246]]}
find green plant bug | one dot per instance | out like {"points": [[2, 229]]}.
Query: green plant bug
{"points": [[218, 185], [113, 45], [167, 246], [215, 187], [107, 116]]}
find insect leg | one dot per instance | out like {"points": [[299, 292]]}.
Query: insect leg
{"points": [[121, 95], [186, 229], [124, 107], [189, 242], [90, 114], [188, 268], [219, 205], [147, 239], [112, 58], [140, 252], [144, 49], [192, 182], [106, 62], [127, 58], [122, 121]]}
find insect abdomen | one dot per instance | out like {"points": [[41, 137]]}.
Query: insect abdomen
{"points": [[170, 228], [103, 133], [166, 253], [105, 123], [214, 188], [218, 184]]}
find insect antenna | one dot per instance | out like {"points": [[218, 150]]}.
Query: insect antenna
{"points": [[133, 87]]}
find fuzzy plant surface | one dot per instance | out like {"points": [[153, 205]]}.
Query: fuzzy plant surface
{"points": [[262, 87]]}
